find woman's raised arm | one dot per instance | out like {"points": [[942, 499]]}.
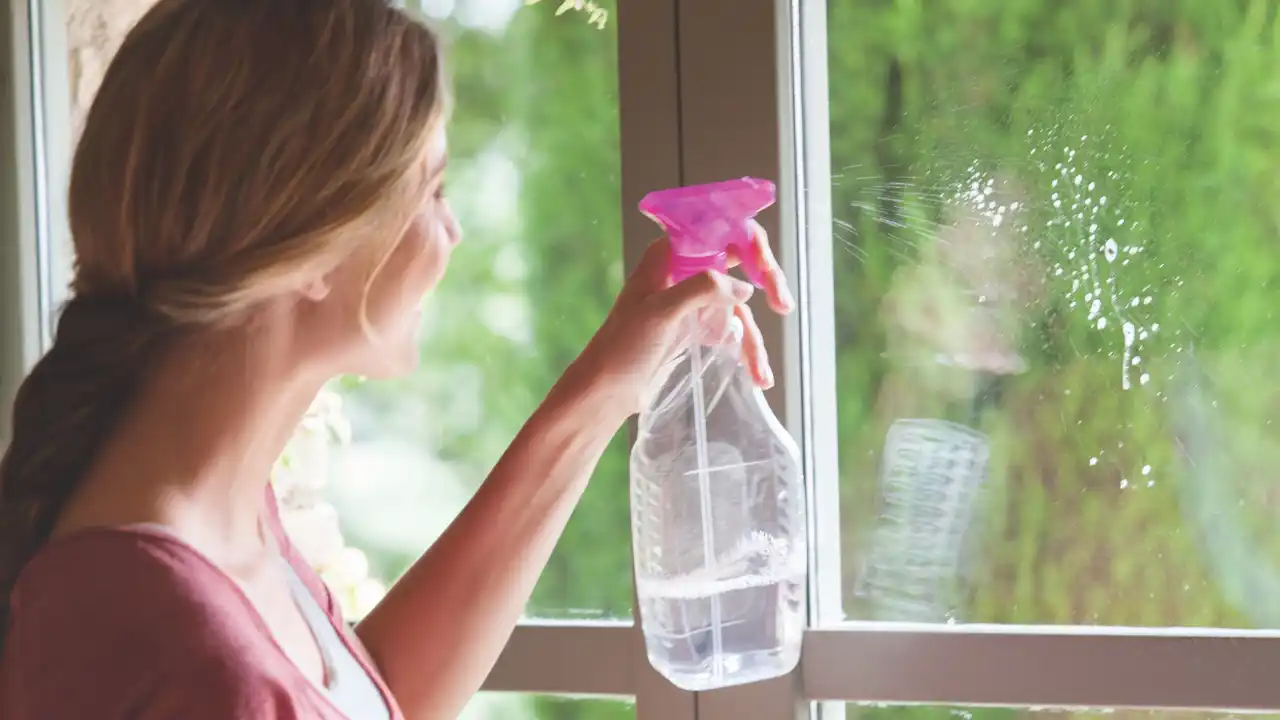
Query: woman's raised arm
{"points": [[440, 629]]}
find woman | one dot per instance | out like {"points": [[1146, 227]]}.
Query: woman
{"points": [[257, 206]]}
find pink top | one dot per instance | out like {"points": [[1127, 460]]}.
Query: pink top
{"points": [[134, 623]]}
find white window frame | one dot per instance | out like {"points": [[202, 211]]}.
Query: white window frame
{"points": [[709, 89], [50, 153], [21, 339]]}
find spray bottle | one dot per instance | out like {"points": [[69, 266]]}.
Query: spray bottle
{"points": [[717, 494]]}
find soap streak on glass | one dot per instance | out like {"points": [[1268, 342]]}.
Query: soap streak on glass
{"points": [[977, 259]]}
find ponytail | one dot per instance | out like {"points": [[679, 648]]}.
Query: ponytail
{"points": [[64, 412]]}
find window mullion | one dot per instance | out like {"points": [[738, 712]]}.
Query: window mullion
{"points": [[649, 118], [734, 121], [806, 60]]}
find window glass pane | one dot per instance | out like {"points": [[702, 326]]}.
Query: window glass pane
{"points": [[924, 712], [511, 706], [534, 178], [1055, 309]]}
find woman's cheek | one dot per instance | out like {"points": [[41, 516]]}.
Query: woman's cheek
{"points": [[427, 265]]}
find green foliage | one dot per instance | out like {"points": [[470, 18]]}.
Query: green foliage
{"points": [[596, 14]]}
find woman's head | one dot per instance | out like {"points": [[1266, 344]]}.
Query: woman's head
{"points": [[242, 158], [246, 152]]}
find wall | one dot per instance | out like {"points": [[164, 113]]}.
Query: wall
{"points": [[95, 29]]}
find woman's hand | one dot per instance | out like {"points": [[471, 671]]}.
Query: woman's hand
{"points": [[645, 328]]}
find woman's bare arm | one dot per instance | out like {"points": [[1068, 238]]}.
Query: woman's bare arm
{"points": [[441, 627]]}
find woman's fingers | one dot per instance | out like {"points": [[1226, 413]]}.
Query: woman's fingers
{"points": [[775, 281], [715, 324], [652, 275], [714, 298], [754, 355], [776, 289], [708, 288]]}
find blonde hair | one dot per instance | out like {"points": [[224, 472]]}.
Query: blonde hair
{"points": [[235, 149]]}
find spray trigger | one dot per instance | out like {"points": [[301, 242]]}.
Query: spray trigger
{"points": [[705, 223]]}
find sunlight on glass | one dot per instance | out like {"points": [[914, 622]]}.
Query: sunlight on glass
{"points": [[491, 16], [435, 9]]}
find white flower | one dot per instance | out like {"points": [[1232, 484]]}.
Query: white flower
{"points": [[298, 480]]}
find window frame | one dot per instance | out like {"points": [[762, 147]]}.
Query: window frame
{"points": [[51, 155], [708, 89], [21, 169]]}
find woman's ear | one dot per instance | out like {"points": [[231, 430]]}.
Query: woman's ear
{"points": [[317, 289]]}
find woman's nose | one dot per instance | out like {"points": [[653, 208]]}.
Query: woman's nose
{"points": [[451, 227]]}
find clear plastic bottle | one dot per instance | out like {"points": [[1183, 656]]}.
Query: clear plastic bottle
{"points": [[717, 494]]}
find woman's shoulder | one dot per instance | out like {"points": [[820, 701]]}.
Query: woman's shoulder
{"points": [[118, 618], [128, 576]]}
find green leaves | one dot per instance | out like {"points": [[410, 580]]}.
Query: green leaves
{"points": [[596, 15]]}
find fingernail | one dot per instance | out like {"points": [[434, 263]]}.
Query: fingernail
{"points": [[742, 291], [766, 373], [785, 297]]}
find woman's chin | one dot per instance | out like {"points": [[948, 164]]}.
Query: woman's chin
{"points": [[389, 362], [404, 361], [389, 350]]}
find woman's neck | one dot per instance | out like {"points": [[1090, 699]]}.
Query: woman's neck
{"points": [[196, 448]]}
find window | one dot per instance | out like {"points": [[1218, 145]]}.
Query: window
{"points": [[534, 177], [1042, 251], [1052, 292], [1032, 245]]}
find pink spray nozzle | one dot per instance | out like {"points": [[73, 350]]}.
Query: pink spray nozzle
{"points": [[705, 222]]}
